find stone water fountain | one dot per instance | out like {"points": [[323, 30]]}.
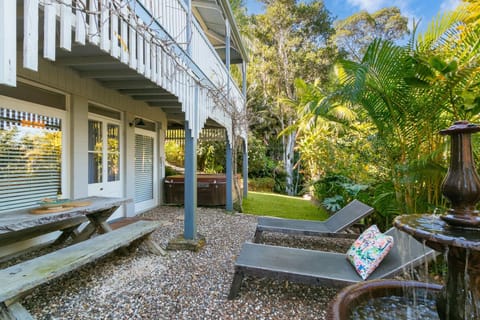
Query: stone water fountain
{"points": [[456, 234]]}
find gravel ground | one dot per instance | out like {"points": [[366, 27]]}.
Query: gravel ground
{"points": [[183, 284]]}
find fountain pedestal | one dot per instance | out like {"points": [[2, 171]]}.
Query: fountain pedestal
{"points": [[461, 185], [460, 297]]}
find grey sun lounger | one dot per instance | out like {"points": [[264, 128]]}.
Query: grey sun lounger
{"points": [[323, 268], [342, 219]]}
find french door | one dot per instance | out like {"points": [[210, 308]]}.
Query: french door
{"points": [[104, 157]]}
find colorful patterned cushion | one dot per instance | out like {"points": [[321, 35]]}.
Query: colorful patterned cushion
{"points": [[369, 250]]}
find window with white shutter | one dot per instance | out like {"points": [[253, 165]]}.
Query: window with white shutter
{"points": [[30, 155], [145, 170]]}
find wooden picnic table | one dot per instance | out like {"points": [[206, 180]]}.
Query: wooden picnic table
{"points": [[19, 225], [22, 224]]}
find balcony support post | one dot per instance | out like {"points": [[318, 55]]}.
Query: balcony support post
{"points": [[229, 177], [244, 78], [228, 166], [190, 201], [227, 53], [245, 168]]}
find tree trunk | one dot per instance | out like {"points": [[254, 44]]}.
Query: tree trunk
{"points": [[289, 162], [236, 187]]}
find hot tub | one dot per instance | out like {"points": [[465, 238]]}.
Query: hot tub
{"points": [[211, 189]]}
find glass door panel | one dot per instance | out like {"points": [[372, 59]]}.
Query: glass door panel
{"points": [[113, 152], [95, 152], [104, 157]]}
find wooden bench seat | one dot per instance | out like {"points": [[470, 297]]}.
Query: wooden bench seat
{"points": [[27, 275]]}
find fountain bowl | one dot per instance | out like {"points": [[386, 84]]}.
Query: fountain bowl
{"points": [[344, 303]]}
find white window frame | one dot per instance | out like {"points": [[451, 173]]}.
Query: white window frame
{"points": [[121, 182], [25, 106]]}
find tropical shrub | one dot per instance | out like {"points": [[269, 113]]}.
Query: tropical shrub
{"points": [[280, 178], [211, 156], [410, 93], [259, 163], [174, 153], [262, 184], [334, 191], [169, 171]]}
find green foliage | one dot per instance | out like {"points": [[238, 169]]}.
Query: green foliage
{"points": [[259, 163], [407, 121], [269, 204], [280, 177], [169, 171], [336, 190], [240, 12], [211, 156], [334, 203], [447, 61], [263, 184], [409, 93], [174, 153], [331, 136], [385, 203], [329, 186], [288, 41], [378, 123]]}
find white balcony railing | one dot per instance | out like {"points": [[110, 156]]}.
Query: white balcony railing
{"points": [[172, 16]]}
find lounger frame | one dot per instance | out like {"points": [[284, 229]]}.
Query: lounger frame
{"points": [[323, 268]]}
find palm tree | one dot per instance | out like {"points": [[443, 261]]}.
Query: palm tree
{"points": [[447, 60], [411, 92]]}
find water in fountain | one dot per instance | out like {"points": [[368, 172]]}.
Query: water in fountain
{"points": [[386, 299], [409, 303], [397, 307]]}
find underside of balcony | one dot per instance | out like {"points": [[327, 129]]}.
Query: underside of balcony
{"points": [[92, 63]]}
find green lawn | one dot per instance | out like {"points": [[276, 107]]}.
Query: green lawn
{"points": [[276, 205]]}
